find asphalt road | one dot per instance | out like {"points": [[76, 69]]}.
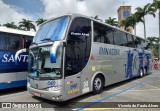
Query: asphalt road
{"points": [[146, 89]]}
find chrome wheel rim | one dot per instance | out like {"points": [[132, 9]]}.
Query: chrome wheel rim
{"points": [[97, 83], [141, 73]]}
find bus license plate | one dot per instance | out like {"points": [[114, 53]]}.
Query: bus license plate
{"points": [[37, 94]]}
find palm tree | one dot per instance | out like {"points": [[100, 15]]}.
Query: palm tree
{"points": [[156, 5], [154, 45], [142, 12], [112, 21], [97, 18], [26, 25], [153, 40], [131, 21], [40, 21], [10, 25]]}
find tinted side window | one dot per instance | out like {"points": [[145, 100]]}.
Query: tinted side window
{"points": [[14, 42], [78, 46], [130, 40], [3, 42], [138, 42], [120, 38], [99, 32], [109, 35], [102, 33], [27, 41]]}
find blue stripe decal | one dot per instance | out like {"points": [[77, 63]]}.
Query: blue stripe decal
{"points": [[13, 84], [115, 94]]}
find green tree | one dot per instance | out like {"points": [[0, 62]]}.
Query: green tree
{"points": [[153, 40], [112, 21], [27, 25], [10, 25], [97, 18], [40, 21], [154, 45], [142, 12], [156, 5]]}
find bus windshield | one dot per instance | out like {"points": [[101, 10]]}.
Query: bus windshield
{"points": [[53, 30], [39, 63]]}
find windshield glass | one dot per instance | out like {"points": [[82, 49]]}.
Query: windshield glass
{"points": [[40, 66], [53, 30]]}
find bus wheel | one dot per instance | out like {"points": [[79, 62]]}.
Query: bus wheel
{"points": [[141, 73], [97, 84]]}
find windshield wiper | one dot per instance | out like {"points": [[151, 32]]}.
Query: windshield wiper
{"points": [[47, 39]]}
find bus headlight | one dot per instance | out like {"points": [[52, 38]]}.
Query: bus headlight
{"points": [[56, 88]]}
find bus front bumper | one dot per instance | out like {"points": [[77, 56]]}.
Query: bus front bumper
{"points": [[51, 95]]}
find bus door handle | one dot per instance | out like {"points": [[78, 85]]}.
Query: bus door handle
{"points": [[78, 77]]}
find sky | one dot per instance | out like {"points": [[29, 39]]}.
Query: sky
{"points": [[16, 10]]}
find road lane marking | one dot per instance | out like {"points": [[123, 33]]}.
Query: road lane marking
{"points": [[96, 109], [152, 86], [7, 97], [118, 93]]}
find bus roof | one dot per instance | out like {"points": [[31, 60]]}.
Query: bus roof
{"points": [[16, 31], [80, 15]]}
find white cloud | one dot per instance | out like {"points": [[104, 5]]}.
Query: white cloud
{"points": [[102, 8], [10, 13]]}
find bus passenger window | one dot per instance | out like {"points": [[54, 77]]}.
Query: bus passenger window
{"points": [[109, 35], [138, 42], [99, 32], [102, 33], [120, 38], [27, 42], [3, 42], [13, 42], [130, 40]]}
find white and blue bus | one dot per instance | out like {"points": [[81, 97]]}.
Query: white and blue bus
{"points": [[73, 54], [13, 57]]}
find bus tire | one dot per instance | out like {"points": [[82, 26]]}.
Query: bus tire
{"points": [[141, 73], [98, 84]]}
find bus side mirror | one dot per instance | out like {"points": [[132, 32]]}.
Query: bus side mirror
{"points": [[53, 54], [53, 50]]}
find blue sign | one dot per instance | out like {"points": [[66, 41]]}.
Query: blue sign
{"points": [[12, 62], [73, 86], [51, 83]]}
